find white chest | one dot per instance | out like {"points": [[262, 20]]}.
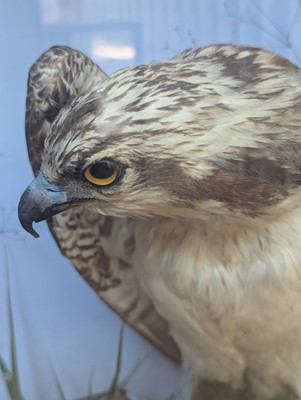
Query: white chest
{"points": [[233, 298]]}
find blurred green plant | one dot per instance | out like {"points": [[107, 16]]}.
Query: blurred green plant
{"points": [[10, 376], [115, 392]]}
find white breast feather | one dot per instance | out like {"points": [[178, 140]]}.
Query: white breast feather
{"points": [[232, 297]]}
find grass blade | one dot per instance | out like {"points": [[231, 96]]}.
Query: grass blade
{"points": [[11, 378], [115, 379], [59, 386], [114, 384]]}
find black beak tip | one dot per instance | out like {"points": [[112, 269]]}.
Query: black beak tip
{"points": [[41, 200], [26, 222], [28, 227], [30, 230]]}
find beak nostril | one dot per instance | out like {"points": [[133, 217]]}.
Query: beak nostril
{"points": [[52, 190]]}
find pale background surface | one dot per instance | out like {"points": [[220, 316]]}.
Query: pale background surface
{"points": [[61, 327]]}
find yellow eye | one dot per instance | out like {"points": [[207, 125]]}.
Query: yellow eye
{"points": [[102, 174]]}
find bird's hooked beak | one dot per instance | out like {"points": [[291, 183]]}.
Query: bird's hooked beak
{"points": [[41, 200]]}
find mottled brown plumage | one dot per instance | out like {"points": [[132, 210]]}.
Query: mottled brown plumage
{"points": [[57, 77], [202, 218]]}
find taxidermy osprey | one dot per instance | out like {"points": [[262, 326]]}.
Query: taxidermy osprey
{"points": [[174, 188]]}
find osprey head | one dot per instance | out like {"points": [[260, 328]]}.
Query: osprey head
{"points": [[100, 154], [186, 138]]}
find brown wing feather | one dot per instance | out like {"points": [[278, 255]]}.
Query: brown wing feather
{"points": [[89, 239]]}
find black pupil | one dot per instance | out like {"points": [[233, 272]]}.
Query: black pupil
{"points": [[102, 170]]}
